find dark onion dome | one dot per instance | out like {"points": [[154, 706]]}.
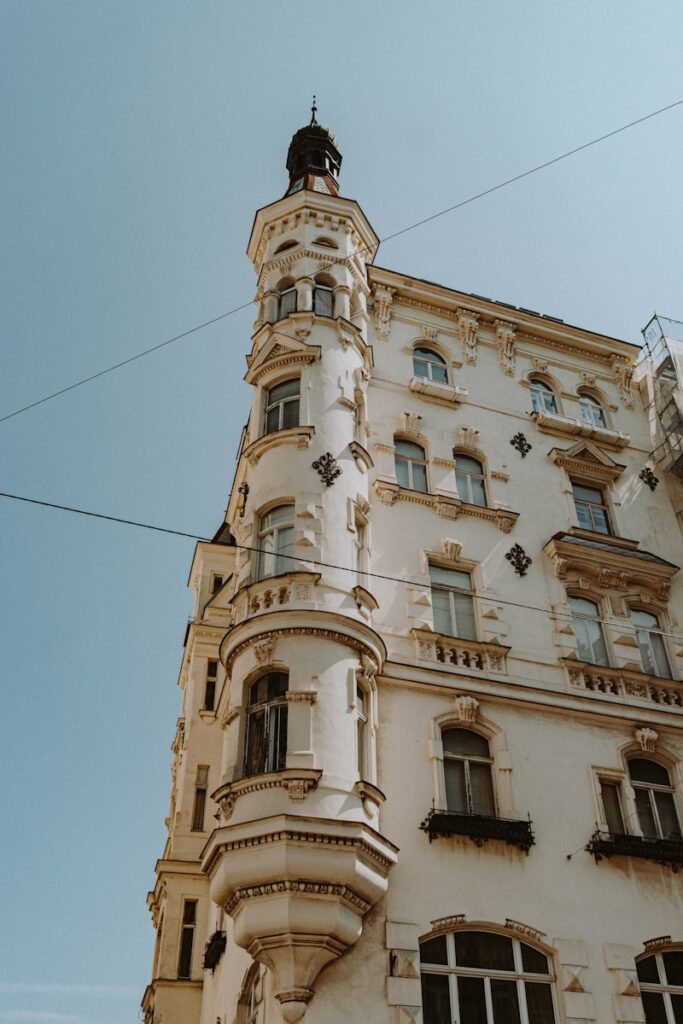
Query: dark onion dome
{"points": [[313, 160]]}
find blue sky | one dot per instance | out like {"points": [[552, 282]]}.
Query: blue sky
{"points": [[139, 139]]}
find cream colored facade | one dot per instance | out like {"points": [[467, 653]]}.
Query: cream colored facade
{"points": [[308, 873]]}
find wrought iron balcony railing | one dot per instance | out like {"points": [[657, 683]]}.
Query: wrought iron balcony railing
{"points": [[662, 851], [214, 950], [479, 828]]}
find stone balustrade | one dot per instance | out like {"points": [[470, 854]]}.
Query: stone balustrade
{"points": [[627, 686]]}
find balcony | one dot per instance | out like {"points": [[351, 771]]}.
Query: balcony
{"points": [[478, 827], [477, 655], [627, 686], [292, 589], [668, 852], [214, 950], [568, 426]]}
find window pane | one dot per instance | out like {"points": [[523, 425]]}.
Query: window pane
{"points": [[288, 302], [185, 958], [198, 812], [466, 464], [647, 970], [441, 608], [673, 965], [593, 495], [478, 491], [484, 949], [505, 1001], [210, 695], [253, 764], [600, 520], [583, 515], [677, 1004], [409, 448], [472, 1001], [190, 912], [278, 515], [668, 819], [436, 1001], [533, 960], [456, 793], [465, 624], [273, 419], [285, 547], [482, 789], [433, 951], [539, 1001], [277, 755], [609, 791], [461, 484], [420, 367], [439, 373], [419, 477], [290, 413], [646, 816], [641, 769], [286, 389], [641, 618], [449, 577], [277, 684], [322, 300], [465, 742], [653, 1004]]}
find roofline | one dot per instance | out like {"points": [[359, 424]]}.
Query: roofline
{"points": [[480, 303]]}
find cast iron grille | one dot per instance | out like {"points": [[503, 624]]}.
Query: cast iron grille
{"points": [[662, 851], [479, 828], [215, 948]]}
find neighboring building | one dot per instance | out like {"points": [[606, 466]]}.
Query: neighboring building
{"points": [[429, 764]]}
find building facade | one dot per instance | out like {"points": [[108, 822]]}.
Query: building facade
{"points": [[429, 765]]}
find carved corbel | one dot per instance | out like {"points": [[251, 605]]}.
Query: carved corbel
{"points": [[264, 649], [383, 299], [451, 548], [505, 335], [647, 738], [467, 329], [623, 376], [411, 422], [466, 708], [468, 436]]}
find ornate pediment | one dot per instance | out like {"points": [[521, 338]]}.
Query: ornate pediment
{"points": [[274, 350], [587, 460], [608, 566]]}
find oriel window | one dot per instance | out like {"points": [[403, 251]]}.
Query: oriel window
{"points": [[287, 302], [323, 301]]}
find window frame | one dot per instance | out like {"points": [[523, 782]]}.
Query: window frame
{"points": [[210, 684], [649, 632], [466, 759], [188, 929], [663, 988], [652, 788], [201, 789], [518, 975], [603, 506], [597, 619], [278, 552], [588, 404], [274, 711], [467, 477], [410, 461], [436, 360], [318, 289], [451, 590], [286, 308], [362, 708], [537, 387], [279, 404]]}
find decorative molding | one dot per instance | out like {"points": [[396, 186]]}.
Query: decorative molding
{"points": [[411, 422], [587, 460], [446, 505], [648, 477], [467, 436], [647, 739], [519, 559], [297, 781], [614, 565], [622, 371], [428, 333], [466, 708], [467, 323], [567, 426], [327, 468], [626, 686], [263, 650], [446, 923], [451, 548], [477, 655], [301, 696], [361, 456], [314, 631], [299, 436], [301, 886], [273, 352], [243, 491], [505, 335], [520, 442], [382, 301], [433, 389], [525, 930], [653, 944]]}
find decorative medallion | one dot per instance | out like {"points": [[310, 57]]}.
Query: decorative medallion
{"points": [[521, 444], [519, 559], [648, 477], [327, 467]]}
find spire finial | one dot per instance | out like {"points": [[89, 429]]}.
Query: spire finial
{"points": [[314, 111]]}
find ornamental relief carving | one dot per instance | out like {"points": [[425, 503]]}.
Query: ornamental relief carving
{"points": [[505, 336], [467, 323], [382, 301]]}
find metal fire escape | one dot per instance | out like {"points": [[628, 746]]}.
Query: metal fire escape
{"points": [[663, 351]]}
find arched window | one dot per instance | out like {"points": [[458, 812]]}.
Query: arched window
{"points": [[276, 542], [326, 243], [430, 365], [480, 977], [287, 302], [654, 799], [266, 735], [470, 479], [411, 465], [590, 641], [592, 412], [282, 406], [289, 244], [251, 998], [542, 396], [661, 986], [467, 772], [651, 644]]}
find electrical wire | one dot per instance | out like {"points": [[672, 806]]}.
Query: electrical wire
{"points": [[362, 249], [312, 561]]}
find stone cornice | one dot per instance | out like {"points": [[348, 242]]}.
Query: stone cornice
{"points": [[344, 892], [447, 393], [297, 781], [287, 260], [551, 423], [446, 505], [611, 567], [584, 459], [301, 437]]}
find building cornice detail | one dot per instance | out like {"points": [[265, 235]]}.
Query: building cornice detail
{"points": [[587, 460], [347, 894], [297, 781], [611, 567], [229, 654], [300, 437], [445, 505], [552, 423], [626, 686]]}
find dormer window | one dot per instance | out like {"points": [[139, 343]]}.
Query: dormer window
{"points": [[591, 508], [592, 412], [542, 396], [430, 365]]}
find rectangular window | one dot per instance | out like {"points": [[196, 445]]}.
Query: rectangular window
{"points": [[287, 303], [282, 406], [591, 508], [323, 301], [361, 729], [187, 938], [210, 685], [453, 602], [201, 786], [216, 584], [276, 542], [611, 806]]}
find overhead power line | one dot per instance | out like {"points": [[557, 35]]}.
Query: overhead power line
{"points": [[311, 561], [386, 238]]}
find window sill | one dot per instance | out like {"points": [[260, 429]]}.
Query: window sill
{"points": [[440, 392], [478, 827], [668, 852], [446, 505], [299, 436], [624, 685], [564, 426], [297, 781], [477, 655], [206, 715]]}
